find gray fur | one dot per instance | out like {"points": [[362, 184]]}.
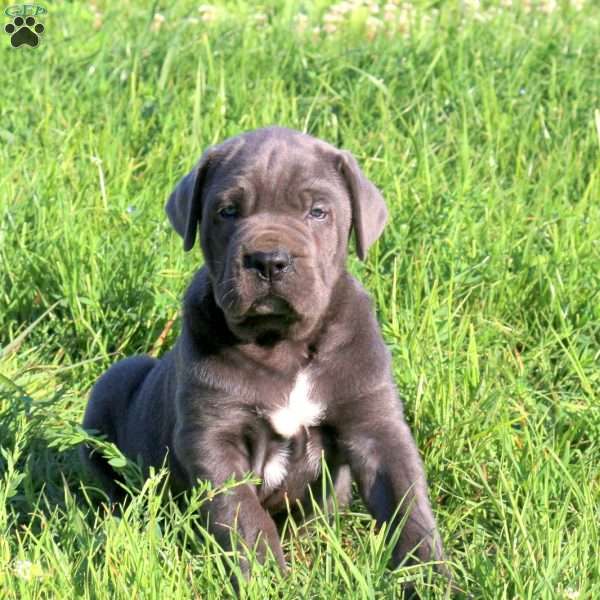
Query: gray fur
{"points": [[245, 338]]}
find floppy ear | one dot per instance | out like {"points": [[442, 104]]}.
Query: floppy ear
{"points": [[369, 212], [184, 207]]}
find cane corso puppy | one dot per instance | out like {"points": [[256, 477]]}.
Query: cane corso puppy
{"points": [[280, 359]]}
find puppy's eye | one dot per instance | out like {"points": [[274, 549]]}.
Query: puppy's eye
{"points": [[229, 212], [317, 213]]}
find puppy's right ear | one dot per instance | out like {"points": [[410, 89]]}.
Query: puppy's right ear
{"points": [[184, 207]]}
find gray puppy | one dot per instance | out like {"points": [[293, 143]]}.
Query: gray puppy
{"points": [[280, 358]]}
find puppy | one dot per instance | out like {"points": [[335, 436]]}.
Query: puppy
{"points": [[280, 359]]}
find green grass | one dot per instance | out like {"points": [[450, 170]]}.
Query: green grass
{"points": [[484, 135]]}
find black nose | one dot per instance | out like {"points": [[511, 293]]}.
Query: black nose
{"points": [[270, 266]]}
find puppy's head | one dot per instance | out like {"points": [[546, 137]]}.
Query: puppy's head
{"points": [[275, 208]]}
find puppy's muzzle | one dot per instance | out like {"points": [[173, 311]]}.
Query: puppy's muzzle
{"points": [[269, 266]]}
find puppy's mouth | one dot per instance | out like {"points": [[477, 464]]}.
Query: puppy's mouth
{"points": [[267, 312], [269, 306], [267, 315]]}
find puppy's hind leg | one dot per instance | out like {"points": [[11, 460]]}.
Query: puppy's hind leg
{"points": [[103, 473], [108, 404]]}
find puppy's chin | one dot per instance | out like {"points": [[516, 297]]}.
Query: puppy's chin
{"points": [[251, 319], [263, 330], [264, 320]]}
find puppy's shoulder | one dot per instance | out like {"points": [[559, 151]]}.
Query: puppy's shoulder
{"points": [[356, 338], [357, 310]]}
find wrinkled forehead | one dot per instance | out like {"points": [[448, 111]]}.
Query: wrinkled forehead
{"points": [[277, 170]]}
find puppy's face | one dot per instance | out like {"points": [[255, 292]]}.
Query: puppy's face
{"points": [[275, 209], [274, 234]]}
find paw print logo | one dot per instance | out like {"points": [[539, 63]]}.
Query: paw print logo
{"points": [[24, 31]]}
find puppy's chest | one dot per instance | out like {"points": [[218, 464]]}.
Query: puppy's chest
{"points": [[293, 440], [301, 410]]}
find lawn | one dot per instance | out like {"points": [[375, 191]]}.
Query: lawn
{"points": [[480, 124]]}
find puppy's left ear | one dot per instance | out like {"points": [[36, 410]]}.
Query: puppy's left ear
{"points": [[184, 207], [369, 213]]}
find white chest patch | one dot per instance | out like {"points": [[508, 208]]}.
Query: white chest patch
{"points": [[300, 411]]}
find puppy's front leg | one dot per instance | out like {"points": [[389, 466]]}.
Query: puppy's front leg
{"points": [[217, 455], [386, 465]]}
